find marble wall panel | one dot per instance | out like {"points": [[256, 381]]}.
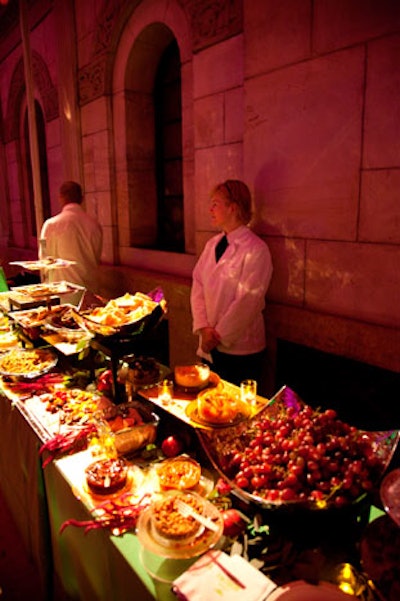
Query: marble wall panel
{"points": [[234, 115], [88, 163], [214, 165], [107, 255], [96, 160], [98, 204], [302, 146], [288, 259], [354, 280], [276, 34], [340, 23], [94, 116], [380, 206], [209, 121], [218, 68], [382, 104], [101, 157]]}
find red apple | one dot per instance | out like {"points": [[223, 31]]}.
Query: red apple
{"points": [[234, 522], [172, 446]]}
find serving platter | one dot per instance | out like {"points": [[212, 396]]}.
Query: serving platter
{"points": [[47, 263], [129, 315], [203, 542], [250, 456], [60, 321], [193, 413], [27, 363], [47, 290]]}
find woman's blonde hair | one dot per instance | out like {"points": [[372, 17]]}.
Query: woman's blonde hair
{"points": [[237, 192]]}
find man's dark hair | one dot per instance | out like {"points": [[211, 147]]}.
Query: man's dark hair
{"points": [[71, 192]]}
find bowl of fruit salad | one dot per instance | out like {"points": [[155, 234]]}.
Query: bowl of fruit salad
{"points": [[290, 454]]}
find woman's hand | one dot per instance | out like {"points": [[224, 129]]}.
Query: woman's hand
{"points": [[209, 339]]}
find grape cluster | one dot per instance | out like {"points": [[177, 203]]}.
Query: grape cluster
{"points": [[304, 455]]}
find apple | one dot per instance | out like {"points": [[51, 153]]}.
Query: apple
{"points": [[234, 522], [172, 446], [222, 486]]}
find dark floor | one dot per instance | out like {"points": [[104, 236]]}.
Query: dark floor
{"points": [[18, 577]]}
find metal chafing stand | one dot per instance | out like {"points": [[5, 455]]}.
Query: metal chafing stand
{"points": [[124, 343]]}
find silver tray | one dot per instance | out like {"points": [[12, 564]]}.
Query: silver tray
{"points": [[46, 290], [220, 446], [42, 361]]}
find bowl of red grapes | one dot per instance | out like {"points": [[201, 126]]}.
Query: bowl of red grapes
{"points": [[290, 454]]}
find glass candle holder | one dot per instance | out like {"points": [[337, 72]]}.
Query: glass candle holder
{"points": [[165, 391], [248, 391]]}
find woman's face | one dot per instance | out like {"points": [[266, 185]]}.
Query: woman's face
{"points": [[222, 211]]}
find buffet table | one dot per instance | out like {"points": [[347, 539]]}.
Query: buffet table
{"points": [[90, 566], [97, 565], [22, 484], [50, 502]]}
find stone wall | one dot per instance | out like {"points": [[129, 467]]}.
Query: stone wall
{"points": [[298, 98]]}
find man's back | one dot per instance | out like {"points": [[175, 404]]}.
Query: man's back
{"points": [[76, 236]]}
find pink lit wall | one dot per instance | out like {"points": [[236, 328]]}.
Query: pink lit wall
{"points": [[298, 98]]}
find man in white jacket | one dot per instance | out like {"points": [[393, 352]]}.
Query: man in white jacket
{"points": [[228, 290], [73, 235]]}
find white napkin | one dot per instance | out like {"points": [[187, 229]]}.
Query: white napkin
{"points": [[207, 579]]}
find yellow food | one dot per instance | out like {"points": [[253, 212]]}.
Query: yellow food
{"points": [[20, 362], [170, 523], [179, 473], [123, 310], [218, 406], [192, 376]]}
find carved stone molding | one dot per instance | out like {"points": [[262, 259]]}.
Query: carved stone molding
{"points": [[47, 93], [92, 77], [213, 21], [91, 80]]}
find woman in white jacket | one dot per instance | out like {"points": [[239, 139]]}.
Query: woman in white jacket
{"points": [[228, 289]]}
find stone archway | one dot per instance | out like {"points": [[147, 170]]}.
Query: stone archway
{"points": [[46, 90], [151, 27]]}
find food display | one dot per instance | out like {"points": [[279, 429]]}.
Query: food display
{"points": [[46, 290], [134, 427], [289, 453], [46, 263], [167, 520], [139, 371], [28, 363], [179, 473], [31, 318], [60, 320], [106, 476], [119, 315], [218, 407], [8, 340], [283, 454], [74, 406], [192, 376]]}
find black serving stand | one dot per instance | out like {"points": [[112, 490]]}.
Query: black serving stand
{"points": [[149, 339]]}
